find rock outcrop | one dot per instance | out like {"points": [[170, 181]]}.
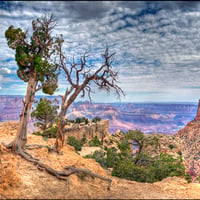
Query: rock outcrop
{"points": [[197, 118], [89, 131], [190, 136], [38, 184]]}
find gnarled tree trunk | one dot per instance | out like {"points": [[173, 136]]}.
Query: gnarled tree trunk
{"points": [[61, 122], [21, 137]]}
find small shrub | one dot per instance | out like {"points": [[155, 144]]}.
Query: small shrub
{"points": [[128, 170], [75, 143], [188, 178], [149, 169], [79, 120], [112, 157], [96, 119], [156, 140], [180, 153], [111, 141], [99, 157], [86, 121], [83, 140], [171, 146], [49, 133], [95, 142], [125, 149]]}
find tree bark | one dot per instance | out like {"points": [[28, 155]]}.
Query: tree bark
{"points": [[21, 137], [61, 122]]}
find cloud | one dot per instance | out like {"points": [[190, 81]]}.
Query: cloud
{"points": [[5, 70], [156, 43]]}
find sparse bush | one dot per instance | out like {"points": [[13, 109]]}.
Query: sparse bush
{"points": [[95, 142], [188, 178], [99, 156], [112, 157], [75, 143], [45, 113], [96, 119], [125, 149], [128, 170], [49, 133], [86, 121], [171, 146], [155, 170], [79, 120], [83, 140], [180, 153]]}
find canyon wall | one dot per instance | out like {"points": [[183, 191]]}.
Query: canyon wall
{"points": [[89, 131]]}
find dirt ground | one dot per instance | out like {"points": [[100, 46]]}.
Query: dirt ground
{"points": [[22, 179]]}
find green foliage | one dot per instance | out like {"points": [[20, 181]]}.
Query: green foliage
{"points": [[99, 157], [105, 148], [180, 153], [79, 120], [83, 140], [128, 170], [35, 57], [165, 165], [86, 121], [96, 119], [95, 142], [49, 133], [14, 36], [149, 170], [112, 157], [171, 146], [45, 114], [134, 135], [188, 178], [146, 169], [156, 140], [125, 148], [77, 144]]}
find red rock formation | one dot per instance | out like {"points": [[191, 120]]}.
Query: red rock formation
{"points": [[197, 118], [190, 136]]}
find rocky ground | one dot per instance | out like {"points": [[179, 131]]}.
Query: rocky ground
{"points": [[21, 179]]}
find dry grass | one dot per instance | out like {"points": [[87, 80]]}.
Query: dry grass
{"points": [[8, 175]]}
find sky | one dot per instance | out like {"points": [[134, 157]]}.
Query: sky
{"points": [[157, 45]]}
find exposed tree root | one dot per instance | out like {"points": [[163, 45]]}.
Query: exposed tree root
{"points": [[37, 146], [8, 146], [63, 175]]}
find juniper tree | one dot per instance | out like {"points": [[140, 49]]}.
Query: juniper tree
{"points": [[37, 63], [82, 77], [45, 113], [38, 66]]}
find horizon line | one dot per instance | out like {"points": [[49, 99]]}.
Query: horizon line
{"points": [[147, 102]]}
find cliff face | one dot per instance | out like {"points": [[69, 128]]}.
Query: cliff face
{"points": [[89, 131], [191, 139]]}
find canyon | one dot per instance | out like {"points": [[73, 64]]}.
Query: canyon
{"points": [[167, 118]]}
